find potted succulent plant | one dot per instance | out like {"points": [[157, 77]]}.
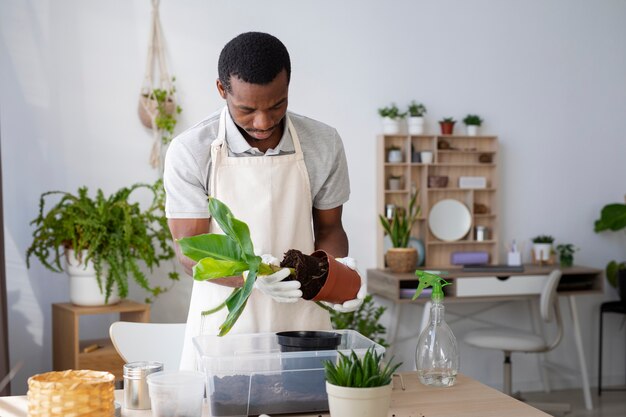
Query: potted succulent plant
{"points": [[566, 254], [400, 257], [613, 217], [102, 240], [394, 154], [359, 386], [391, 119], [395, 182], [447, 125], [472, 123], [542, 247], [232, 253], [416, 118]]}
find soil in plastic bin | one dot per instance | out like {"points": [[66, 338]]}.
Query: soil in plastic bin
{"points": [[269, 394], [310, 271]]}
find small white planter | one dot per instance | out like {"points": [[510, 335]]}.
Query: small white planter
{"points": [[542, 251], [426, 157], [394, 156], [358, 402], [395, 184], [472, 130], [84, 290], [391, 126], [416, 125]]}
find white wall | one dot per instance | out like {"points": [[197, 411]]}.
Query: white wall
{"points": [[548, 78]]}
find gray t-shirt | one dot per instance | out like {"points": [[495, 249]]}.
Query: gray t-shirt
{"points": [[188, 163]]}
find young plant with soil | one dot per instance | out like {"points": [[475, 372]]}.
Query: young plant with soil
{"points": [[232, 253]]}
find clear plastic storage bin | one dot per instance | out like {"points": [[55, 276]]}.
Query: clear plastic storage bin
{"points": [[247, 374]]}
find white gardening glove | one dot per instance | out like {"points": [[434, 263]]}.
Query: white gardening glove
{"points": [[350, 305], [274, 286]]}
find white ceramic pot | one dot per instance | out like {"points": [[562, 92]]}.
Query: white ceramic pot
{"points": [[472, 130], [395, 184], [358, 402], [542, 251], [426, 157], [84, 289], [391, 126], [416, 125], [394, 156]]}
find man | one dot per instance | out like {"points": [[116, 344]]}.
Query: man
{"points": [[283, 174]]}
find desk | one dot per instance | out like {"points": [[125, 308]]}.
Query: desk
{"points": [[468, 398], [496, 286]]}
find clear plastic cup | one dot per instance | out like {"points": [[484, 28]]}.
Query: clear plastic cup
{"points": [[176, 393]]}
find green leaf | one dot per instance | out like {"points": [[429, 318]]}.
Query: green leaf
{"points": [[212, 245], [209, 268], [237, 304], [232, 227], [612, 217]]}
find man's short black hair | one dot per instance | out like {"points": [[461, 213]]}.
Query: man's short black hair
{"points": [[253, 57]]}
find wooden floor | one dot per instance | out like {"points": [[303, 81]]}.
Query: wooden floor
{"points": [[610, 404]]}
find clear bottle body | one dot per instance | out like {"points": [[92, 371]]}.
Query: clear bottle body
{"points": [[437, 352]]}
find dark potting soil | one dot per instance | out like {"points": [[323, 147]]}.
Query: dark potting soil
{"points": [[288, 392], [310, 271]]}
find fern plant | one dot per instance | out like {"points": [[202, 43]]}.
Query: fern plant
{"points": [[356, 372], [115, 232]]}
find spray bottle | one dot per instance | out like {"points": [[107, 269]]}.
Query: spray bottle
{"points": [[437, 353]]}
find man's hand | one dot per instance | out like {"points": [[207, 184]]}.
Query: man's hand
{"points": [[350, 305], [274, 286]]}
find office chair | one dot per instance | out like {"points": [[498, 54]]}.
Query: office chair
{"points": [[161, 342], [513, 340]]}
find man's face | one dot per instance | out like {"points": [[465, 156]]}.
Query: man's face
{"points": [[258, 110]]}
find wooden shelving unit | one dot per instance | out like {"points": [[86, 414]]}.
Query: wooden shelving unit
{"points": [[462, 157], [67, 347]]}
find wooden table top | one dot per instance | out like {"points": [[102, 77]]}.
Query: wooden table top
{"points": [[467, 398]]}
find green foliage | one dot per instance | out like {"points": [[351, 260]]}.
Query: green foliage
{"points": [[566, 253], [472, 119], [399, 229], [366, 372], [612, 217], [392, 112], [447, 120], [365, 320], [230, 254], [543, 239], [114, 230], [166, 117], [416, 109]]}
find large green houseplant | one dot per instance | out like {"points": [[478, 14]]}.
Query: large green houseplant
{"points": [[113, 233], [401, 257], [613, 217], [359, 386]]}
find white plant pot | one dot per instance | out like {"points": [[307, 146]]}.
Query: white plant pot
{"points": [[394, 156], [395, 184], [542, 251], [84, 289], [391, 126], [472, 130], [426, 157], [416, 125], [358, 402]]}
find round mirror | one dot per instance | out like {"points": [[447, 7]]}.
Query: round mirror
{"points": [[449, 220]]}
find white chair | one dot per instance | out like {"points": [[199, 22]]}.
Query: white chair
{"points": [[161, 342], [512, 340]]}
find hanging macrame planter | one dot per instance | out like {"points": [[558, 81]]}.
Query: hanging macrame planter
{"points": [[157, 100]]}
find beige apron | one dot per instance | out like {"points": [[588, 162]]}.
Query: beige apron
{"points": [[272, 194]]}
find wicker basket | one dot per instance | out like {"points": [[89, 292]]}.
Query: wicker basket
{"points": [[402, 259], [71, 394]]}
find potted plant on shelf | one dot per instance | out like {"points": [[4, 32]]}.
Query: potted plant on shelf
{"points": [[566, 254], [395, 182], [400, 257], [394, 154], [391, 119], [613, 217], [416, 118], [447, 125], [472, 122], [542, 248], [359, 386], [102, 240], [232, 253]]}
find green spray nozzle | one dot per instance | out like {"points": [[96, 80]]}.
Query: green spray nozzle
{"points": [[431, 279]]}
